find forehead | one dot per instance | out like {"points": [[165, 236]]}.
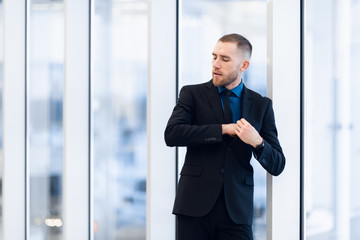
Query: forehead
{"points": [[226, 48]]}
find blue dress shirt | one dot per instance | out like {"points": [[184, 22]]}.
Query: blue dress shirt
{"points": [[235, 100]]}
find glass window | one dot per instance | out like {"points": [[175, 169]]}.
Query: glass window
{"points": [[202, 23], [332, 120], [45, 130], [118, 106]]}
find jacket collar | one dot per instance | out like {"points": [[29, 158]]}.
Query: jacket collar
{"points": [[246, 103], [215, 102]]}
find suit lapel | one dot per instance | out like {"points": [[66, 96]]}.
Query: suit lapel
{"points": [[246, 103], [215, 102]]}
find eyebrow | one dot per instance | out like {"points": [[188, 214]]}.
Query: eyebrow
{"points": [[223, 56]]}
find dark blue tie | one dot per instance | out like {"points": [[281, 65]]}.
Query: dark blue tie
{"points": [[227, 109]]}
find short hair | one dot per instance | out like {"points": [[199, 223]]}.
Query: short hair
{"points": [[241, 42]]}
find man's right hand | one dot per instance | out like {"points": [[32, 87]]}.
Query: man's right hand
{"points": [[229, 129]]}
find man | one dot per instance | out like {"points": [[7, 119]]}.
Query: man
{"points": [[221, 130]]}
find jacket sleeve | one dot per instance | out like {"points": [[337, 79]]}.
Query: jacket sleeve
{"points": [[182, 130], [272, 157]]}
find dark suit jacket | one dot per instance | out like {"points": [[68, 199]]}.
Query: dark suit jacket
{"points": [[213, 161]]}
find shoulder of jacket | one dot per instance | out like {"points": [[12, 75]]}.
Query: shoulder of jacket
{"points": [[258, 97], [196, 86]]}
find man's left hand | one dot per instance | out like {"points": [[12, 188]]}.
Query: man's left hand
{"points": [[247, 133]]}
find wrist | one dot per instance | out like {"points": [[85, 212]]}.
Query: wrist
{"points": [[223, 128], [260, 144]]}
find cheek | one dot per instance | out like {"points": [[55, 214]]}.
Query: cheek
{"points": [[231, 70]]}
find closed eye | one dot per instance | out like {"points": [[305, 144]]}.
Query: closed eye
{"points": [[223, 58]]}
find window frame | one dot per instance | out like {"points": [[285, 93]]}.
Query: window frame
{"points": [[284, 82], [14, 119]]}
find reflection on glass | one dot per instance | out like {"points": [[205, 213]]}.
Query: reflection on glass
{"points": [[202, 23], [1, 81], [118, 106], [45, 131], [332, 120]]}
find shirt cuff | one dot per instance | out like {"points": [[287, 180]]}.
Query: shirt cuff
{"points": [[259, 150]]}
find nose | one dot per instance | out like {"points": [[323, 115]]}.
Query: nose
{"points": [[216, 63]]}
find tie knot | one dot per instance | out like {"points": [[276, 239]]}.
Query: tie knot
{"points": [[227, 93]]}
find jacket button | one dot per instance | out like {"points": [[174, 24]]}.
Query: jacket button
{"points": [[222, 171]]}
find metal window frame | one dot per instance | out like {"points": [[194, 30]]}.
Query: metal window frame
{"points": [[284, 83], [284, 87], [161, 159], [14, 119], [76, 107]]}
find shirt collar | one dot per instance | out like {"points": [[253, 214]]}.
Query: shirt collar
{"points": [[237, 90]]}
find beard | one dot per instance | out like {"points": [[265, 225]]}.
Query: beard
{"points": [[224, 80]]}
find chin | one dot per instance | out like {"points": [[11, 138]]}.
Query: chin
{"points": [[218, 83]]}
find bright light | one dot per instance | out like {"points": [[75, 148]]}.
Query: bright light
{"points": [[53, 222]]}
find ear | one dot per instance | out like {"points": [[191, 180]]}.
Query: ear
{"points": [[245, 65]]}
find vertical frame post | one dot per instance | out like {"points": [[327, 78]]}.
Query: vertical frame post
{"points": [[284, 85], [160, 102], [76, 180], [14, 120]]}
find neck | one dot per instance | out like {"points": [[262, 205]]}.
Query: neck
{"points": [[234, 84]]}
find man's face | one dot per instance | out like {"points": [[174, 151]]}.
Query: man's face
{"points": [[227, 65]]}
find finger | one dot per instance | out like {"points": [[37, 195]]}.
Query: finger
{"points": [[243, 121], [243, 124]]}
